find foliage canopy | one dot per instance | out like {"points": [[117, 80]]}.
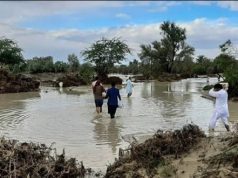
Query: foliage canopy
{"points": [[168, 53], [10, 53], [105, 53]]}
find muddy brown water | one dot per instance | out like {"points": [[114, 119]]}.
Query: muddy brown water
{"points": [[68, 118]]}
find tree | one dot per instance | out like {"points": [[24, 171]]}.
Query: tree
{"points": [[183, 62], [10, 53], [231, 76], [73, 62], [153, 59], [146, 56], [105, 53], [60, 66], [86, 72], [202, 65], [173, 40], [134, 67], [225, 46], [226, 62], [229, 49], [162, 55], [40, 64], [18, 68], [223, 62]]}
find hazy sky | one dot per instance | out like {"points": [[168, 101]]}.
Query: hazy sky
{"points": [[59, 28]]}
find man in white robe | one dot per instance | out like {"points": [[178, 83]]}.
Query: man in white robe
{"points": [[129, 86], [221, 106]]}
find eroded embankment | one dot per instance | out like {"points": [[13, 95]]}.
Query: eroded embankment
{"points": [[10, 83], [143, 159], [183, 153]]}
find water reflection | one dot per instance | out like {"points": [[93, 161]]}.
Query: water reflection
{"points": [[176, 100], [113, 135], [146, 89], [68, 117], [107, 131], [100, 129], [12, 109], [13, 100]]}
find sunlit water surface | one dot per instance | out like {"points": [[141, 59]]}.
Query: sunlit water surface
{"points": [[69, 118]]}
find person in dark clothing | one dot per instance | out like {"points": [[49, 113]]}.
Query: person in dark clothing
{"points": [[113, 95]]}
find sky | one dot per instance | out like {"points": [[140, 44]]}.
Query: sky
{"points": [[60, 28]]}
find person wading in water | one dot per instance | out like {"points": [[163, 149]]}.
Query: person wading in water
{"points": [[113, 95], [98, 91], [221, 106], [129, 86]]}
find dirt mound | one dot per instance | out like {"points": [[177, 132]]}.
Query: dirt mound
{"points": [[10, 83], [152, 152], [166, 77], [224, 164], [71, 80], [115, 79]]}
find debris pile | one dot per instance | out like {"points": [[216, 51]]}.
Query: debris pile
{"points": [[152, 152], [29, 160], [224, 164]]}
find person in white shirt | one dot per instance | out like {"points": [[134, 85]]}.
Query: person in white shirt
{"points": [[129, 86], [221, 106]]}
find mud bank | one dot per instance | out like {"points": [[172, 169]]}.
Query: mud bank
{"points": [[10, 83], [183, 153]]}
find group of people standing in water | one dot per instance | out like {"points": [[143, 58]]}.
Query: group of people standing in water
{"points": [[112, 94]]}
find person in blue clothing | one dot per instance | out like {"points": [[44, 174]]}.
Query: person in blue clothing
{"points": [[113, 95]]}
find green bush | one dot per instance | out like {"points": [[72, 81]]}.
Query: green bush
{"points": [[86, 72], [231, 76], [60, 66], [207, 87], [40, 64]]}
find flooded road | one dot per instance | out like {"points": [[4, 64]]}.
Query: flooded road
{"points": [[69, 119]]}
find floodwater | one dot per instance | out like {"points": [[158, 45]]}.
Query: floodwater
{"points": [[68, 118]]}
